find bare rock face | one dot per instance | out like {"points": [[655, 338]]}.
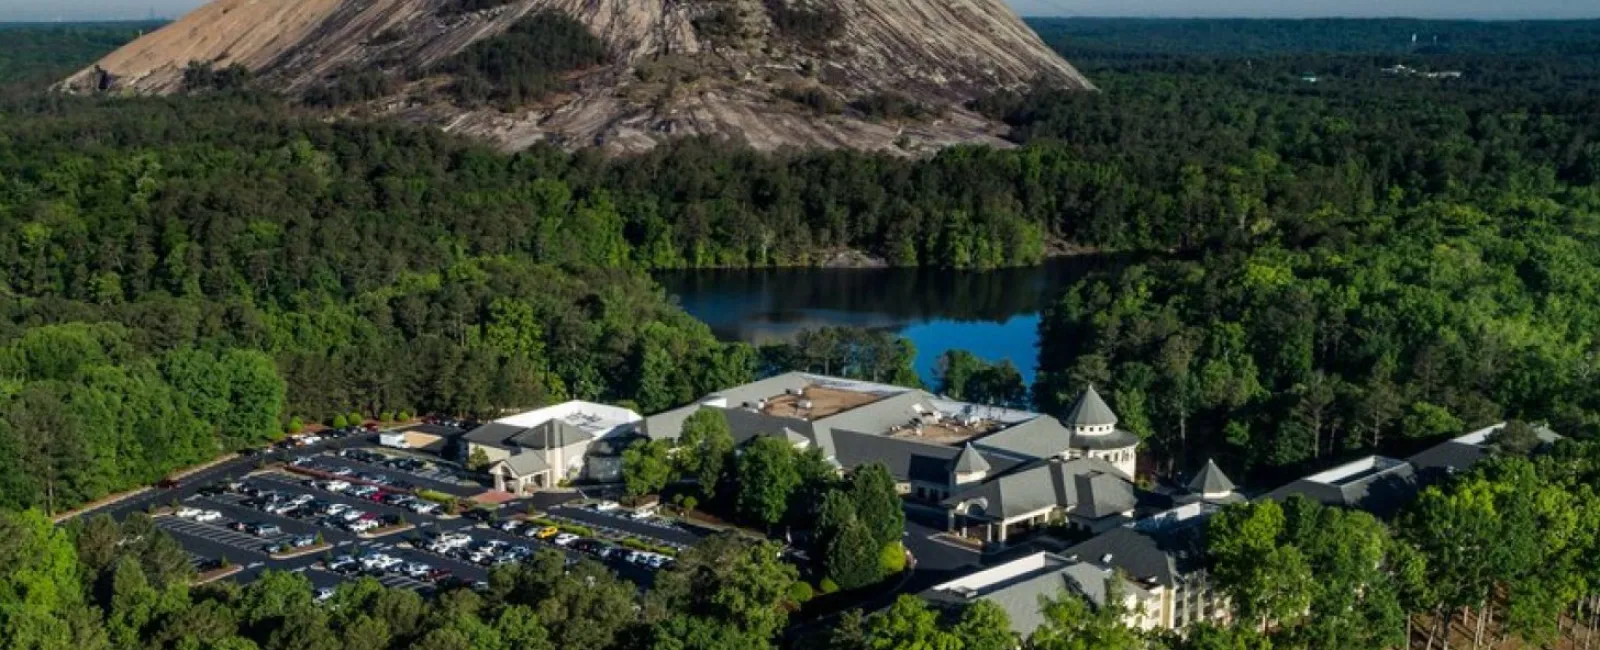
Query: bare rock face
{"points": [[729, 68]]}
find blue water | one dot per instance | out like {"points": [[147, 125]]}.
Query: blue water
{"points": [[1014, 339], [994, 315]]}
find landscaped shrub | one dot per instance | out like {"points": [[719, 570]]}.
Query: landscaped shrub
{"points": [[800, 593], [892, 559], [829, 586]]}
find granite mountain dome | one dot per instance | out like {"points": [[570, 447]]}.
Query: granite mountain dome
{"points": [[866, 74]]}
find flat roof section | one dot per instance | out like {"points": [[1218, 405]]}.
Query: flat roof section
{"points": [[816, 402]]}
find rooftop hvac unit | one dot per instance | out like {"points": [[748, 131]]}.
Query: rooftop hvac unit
{"points": [[805, 404], [1106, 559]]}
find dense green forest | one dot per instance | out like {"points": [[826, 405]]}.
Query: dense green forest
{"points": [[36, 56], [1366, 260], [387, 268]]}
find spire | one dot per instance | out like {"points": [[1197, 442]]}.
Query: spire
{"points": [[1210, 481], [1090, 411], [970, 461]]}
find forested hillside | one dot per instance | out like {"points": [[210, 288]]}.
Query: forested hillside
{"points": [[382, 267], [1387, 258]]}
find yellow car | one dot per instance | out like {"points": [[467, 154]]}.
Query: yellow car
{"points": [[547, 532]]}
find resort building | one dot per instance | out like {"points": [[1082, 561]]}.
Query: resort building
{"points": [[1019, 586], [998, 471]]}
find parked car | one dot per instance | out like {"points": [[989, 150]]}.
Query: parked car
{"points": [[362, 525], [263, 529], [606, 506], [547, 532], [509, 525], [423, 507], [208, 516], [416, 570], [565, 539], [187, 512], [324, 594], [341, 564], [168, 483], [437, 575]]}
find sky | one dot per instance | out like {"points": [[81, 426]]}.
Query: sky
{"points": [[20, 10]]}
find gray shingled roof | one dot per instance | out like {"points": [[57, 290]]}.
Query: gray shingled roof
{"points": [[1210, 480], [1381, 492], [526, 463], [1041, 437], [553, 434], [1090, 410], [494, 434], [1087, 487], [1116, 439], [1021, 597], [882, 415], [906, 459], [970, 461], [1164, 555]]}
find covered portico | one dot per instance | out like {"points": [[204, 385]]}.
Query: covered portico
{"points": [[973, 519], [522, 474]]}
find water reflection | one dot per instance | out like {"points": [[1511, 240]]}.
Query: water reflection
{"points": [[995, 314]]}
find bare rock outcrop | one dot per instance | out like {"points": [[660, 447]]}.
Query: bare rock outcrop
{"points": [[727, 68]]}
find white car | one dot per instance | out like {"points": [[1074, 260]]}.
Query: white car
{"points": [[336, 508], [324, 595], [643, 513], [336, 486], [188, 513], [351, 514], [566, 539], [606, 506], [363, 525], [208, 516], [417, 570]]}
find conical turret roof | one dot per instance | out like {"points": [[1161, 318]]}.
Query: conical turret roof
{"points": [[1210, 480], [970, 461], [1090, 411]]}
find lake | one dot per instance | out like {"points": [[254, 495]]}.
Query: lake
{"points": [[993, 314]]}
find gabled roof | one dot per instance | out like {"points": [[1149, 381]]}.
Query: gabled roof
{"points": [[1375, 484], [553, 434], [1087, 487], [1041, 437], [1164, 555], [970, 461], [493, 434], [906, 458], [1090, 411], [1210, 480], [1018, 586], [526, 464]]}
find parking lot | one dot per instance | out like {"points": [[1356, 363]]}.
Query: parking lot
{"points": [[268, 519]]}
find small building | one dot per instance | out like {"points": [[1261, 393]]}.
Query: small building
{"points": [[539, 448], [1020, 586]]}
